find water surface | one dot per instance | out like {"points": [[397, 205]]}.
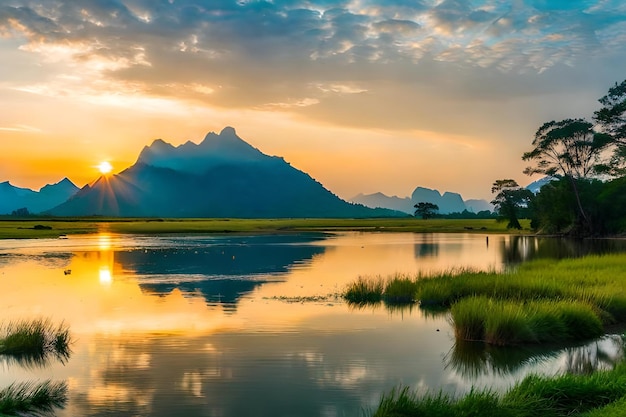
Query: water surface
{"points": [[253, 325]]}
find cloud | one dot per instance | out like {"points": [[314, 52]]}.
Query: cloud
{"points": [[20, 128], [307, 56]]}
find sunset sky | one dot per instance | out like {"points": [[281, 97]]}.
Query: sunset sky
{"points": [[364, 95]]}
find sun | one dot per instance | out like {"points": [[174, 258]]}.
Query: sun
{"points": [[105, 167]]}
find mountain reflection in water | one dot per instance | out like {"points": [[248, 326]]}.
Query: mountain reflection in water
{"points": [[221, 270]]}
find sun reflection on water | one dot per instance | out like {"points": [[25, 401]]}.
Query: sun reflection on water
{"points": [[105, 276]]}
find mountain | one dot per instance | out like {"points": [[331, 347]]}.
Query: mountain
{"points": [[535, 186], [381, 200], [51, 195], [475, 205], [223, 176], [448, 202], [225, 148]]}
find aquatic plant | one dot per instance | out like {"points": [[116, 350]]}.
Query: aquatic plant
{"points": [[403, 402], [399, 290], [35, 399], [601, 393], [502, 322], [539, 301], [33, 342], [364, 291]]}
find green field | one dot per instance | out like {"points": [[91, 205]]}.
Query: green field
{"points": [[51, 227]]}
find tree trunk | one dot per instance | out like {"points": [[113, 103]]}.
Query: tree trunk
{"points": [[581, 212]]}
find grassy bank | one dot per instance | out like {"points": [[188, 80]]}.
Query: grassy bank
{"points": [[540, 301], [602, 393], [40, 227]]}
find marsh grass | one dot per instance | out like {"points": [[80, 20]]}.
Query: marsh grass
{"points": [[364, 291], [541, 301], [501, 322], [396, 292], [602, 393], [399, 290], [403, 402], [34, 342], [33, 399]]}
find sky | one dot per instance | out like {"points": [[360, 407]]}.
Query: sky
{"points": [[364, 95]]}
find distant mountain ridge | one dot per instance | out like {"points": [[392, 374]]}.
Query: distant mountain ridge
{"points": [[13, 198], [223, 176], [214, 150], [448, 202]]}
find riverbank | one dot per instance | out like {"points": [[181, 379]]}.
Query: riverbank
{"points": [[42, 227]]}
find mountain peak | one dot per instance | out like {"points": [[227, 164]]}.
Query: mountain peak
{"points": [[228, 131], [214, 150]]}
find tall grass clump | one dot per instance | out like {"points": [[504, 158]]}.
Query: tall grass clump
{"points": [[501, 322], [364, 291], [468, 318], [35, 340], [399, 290], [33, 399]]}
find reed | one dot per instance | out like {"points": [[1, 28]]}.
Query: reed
{"points": [[539, 301], [403, 402], [399, 290], [33, 399], [501, 322], [602, 393], [33, 340], [364, 291]]}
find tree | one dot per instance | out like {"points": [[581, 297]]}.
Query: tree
{"points": [[511, 198], [571, 149], [426, 210], [611, 119], [21, 212]]}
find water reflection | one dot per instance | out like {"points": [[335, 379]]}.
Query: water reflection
{"points": [[476, 359], [428, 248], [34, 360], [516, 249], [158, 332], [221, 271]]}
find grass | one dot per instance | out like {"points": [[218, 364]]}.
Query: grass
{"points": [[602, 393], [33, 342], [364, 291], [500, 322], [11, 228], [540, 301], [34, 399], [398, 290]]}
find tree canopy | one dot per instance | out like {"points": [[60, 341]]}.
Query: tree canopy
{"points": [[611, 119], [588, 162], [510, 198], [425, 209], [570, 148]]}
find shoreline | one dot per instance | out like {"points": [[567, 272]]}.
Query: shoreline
{"points": [[59, 227]]}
